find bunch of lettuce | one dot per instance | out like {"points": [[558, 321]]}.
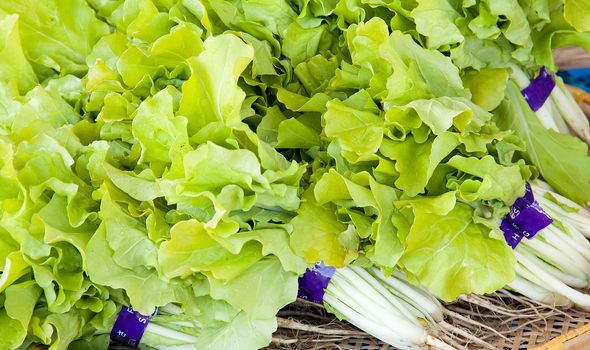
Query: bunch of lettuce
{"points": [[128, 177], [423, 158], [406, 183]]}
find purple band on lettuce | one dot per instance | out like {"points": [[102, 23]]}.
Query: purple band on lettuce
{"points": [[539, 90], [314, 281], [525, 219], [511, 234], [532, 220], [130, 326]]}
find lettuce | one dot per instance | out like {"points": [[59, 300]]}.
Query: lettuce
{"points": [[197, 156], [561, 159], [449, 254], [62, 47], [116, 187]]}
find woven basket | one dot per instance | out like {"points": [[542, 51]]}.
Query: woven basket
{"points": [[551, 330]]}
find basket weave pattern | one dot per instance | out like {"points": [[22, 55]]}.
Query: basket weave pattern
{"points": [[535, 332]]}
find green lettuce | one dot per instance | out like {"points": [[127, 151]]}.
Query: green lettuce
{"points": [[450, 254], [561, 159], [197, 156]]}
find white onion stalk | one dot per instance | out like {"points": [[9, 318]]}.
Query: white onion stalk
{"points": [[388, 308], [570, 111], [575, 219], [538, 293], [541, 187], [560, 112], [553, 239], [552, 283], [572, 281], [577, 216], [400, 304], [416, 296], [548, 120], [392, 328], [153, 328], [521, 79], [390, 312], [562, 126], [557, 258], [578, 251]]}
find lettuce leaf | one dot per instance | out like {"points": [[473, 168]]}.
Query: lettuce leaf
{"points": [[62, 47], [561, 159], [449, 254]]}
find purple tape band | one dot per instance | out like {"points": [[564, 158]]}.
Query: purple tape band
{"points": [[539, 90], [525, 219], [522, 203], [314, 281], [511, 234], [532, 220], [130, 326]]}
